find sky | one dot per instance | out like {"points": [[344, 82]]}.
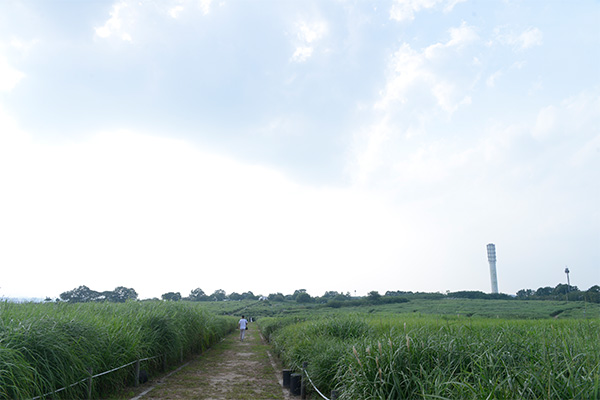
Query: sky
{"points": [[270, 146]]}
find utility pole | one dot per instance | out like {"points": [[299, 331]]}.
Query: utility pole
{"points": [[568, 282]]}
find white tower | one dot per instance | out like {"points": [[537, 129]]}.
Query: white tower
{"points": [[491, 252]]}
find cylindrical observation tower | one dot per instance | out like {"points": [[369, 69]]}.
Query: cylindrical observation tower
{"points": [[491, 253]]}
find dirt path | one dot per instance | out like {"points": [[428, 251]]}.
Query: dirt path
{"points": [[230, 370]]}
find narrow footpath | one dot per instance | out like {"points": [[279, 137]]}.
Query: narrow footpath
{"points": [[231, 369]]}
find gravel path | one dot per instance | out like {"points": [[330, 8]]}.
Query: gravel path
{"points": [[230, 370]]}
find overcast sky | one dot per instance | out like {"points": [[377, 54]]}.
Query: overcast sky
{"points": [[269, 146]]}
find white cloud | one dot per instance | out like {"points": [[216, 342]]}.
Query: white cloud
{"points": [[407, 67], [133, 209], [175, 11], [180, 5], [462, 36], [24, 46], [521, 41], [312, 32], [9, 76], [405, 10], [491, 80], [470, 190], [420, 85], [133, 206], [368, 147], [205, 6], [307, 35], [494, 77], [573, 118], [12, 139], [546, 122], [529, 38], [410, 68], [587, 154], [129, 18], [120, 22], [302, 54], [433, 163]]}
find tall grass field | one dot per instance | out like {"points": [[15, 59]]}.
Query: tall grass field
{"points": [[44, 347], [429, 357]]}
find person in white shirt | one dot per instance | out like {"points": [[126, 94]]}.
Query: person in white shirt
{"points": [[242, 323]]}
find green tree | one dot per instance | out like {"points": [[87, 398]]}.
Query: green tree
{"points": [[468, 294], [121, 294], [593, 294], [525, 293], [303, 297], [235, 296], [297, 292], [171, 296], [391, 293], [82, 294], [197, 295], [341, 297], [218, 295], [276, 296], [594, 289], [543, 291], [249, 296], [374, 296]]}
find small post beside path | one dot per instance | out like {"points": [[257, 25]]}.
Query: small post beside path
{"points": [[136, 381], [89, 394], [303, 383]]}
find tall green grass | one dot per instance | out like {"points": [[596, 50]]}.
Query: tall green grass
{"points": [[44, 347], [396, 357]]}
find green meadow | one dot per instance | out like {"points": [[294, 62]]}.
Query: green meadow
{"points": [[444, 349], [511, 309], [45, 347], [419, 348]]}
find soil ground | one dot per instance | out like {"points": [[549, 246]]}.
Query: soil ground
{"points": [[231, 369]]}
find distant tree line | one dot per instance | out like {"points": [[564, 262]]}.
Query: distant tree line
{"points": [[338, 299], [84, 294], [474, 294], [561, 292], [218, 295]]}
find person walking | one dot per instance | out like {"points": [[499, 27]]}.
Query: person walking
{"points": [[243, 323]]}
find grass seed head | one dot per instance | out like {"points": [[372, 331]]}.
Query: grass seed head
{"points": [[356, 355]]}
